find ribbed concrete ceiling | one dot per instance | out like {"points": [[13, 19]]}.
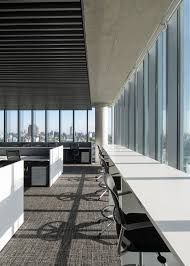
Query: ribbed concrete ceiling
{"points": [[116, 33], [43, 55]]}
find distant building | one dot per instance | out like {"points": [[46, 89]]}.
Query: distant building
{"points": [[35, 130]]}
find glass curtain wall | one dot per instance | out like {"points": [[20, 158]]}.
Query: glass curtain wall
{"points": [[145, 112], [48, 125], [53, 126], [185, 83], [39, 126], [66, 134], [172, 91], [12, 125], [1, 126], [25, 130], [153, 110], [109, 125], [140, 110], [80, 126]]}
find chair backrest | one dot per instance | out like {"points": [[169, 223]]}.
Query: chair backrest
{"points": [[104, 164], [118, 213], [100, 151], [74, 146], [13, 155]]}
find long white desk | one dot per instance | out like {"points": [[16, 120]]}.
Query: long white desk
{"points": [[164, 192]]}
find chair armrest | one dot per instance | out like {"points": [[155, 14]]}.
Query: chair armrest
{"points": [[140, 225], [124, 193]]}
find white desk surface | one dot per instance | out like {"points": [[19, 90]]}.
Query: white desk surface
{"points": [[131, 159], [165, 194]]}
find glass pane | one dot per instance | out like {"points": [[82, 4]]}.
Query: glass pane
{"points": [[91, 131], [67, 125], [12, 126], [109, 125], [53, 126], [91, 125], [39, 126], [139, 111], [25, 126], [185, 74], [1, 125], [164, 133], [172, 90], [146, 105], [80, 126], [152, 102]]}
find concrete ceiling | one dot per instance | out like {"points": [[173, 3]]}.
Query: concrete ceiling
{"points": [[116, 33]]}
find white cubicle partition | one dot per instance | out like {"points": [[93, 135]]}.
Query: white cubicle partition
{"points": [[55, 164], [11, 200]]}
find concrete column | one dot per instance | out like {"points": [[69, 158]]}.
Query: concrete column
{"points": [[101, 126]]}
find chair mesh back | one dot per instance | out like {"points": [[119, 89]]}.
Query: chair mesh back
{"points": [[118, 213], [105, 165], [100, 151], [13, 155]]}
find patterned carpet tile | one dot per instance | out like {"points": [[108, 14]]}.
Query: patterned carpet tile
{"points": [[61, 225]]}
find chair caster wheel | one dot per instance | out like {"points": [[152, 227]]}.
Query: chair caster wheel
{"points": [[161, 259]]}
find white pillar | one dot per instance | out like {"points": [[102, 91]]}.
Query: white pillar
{"points": [[101, 126]]}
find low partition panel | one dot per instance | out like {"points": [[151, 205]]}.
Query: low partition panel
{"points": [[55, 164], [11, 200]]}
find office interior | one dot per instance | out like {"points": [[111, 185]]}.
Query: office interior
{"points": [[95, 132]]}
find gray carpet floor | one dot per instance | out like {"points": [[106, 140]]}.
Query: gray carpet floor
{"points": [[61, 225]]}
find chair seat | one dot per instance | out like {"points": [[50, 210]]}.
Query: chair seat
{"points": [[145, 239]]}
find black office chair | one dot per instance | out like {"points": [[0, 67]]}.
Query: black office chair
{"points": [[13, 155], [75, 152], [135, 231]]}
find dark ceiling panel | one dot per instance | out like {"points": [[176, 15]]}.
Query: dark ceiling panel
{"points": [[43, 60]]}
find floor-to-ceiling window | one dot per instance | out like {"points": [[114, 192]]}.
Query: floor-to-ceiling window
{"points": [[164, 103], [172, 91], [53, 126], [140, 109], [39, 126], [161, 142], [145, 112], [1, 125], [91, 131], [185, 82], [66, 134], [109, 125], [25, 130], [12, 125], [91, 125], [80, 125], [152, 102]]}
